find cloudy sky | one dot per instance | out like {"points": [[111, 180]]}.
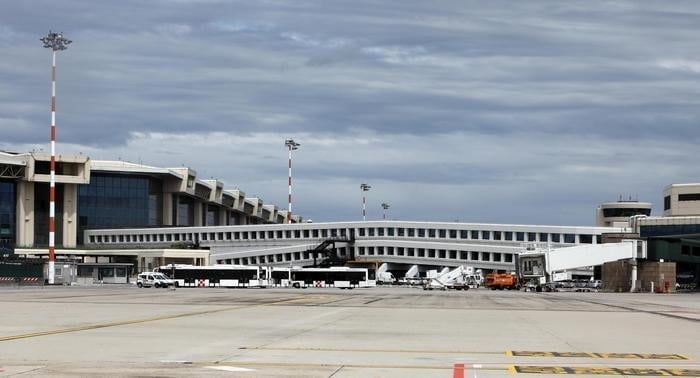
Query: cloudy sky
{"points": [[493, 111]]}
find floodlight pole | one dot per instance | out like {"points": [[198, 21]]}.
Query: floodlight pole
{"points": [[291, 145], [56, 42], [385, 206], [364, 188]]}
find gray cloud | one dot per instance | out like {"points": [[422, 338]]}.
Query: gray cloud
{"points": [[494, 108]]}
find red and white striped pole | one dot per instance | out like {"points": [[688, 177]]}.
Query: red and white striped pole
{"points": [[289, 199], [291, 145], [56, 42], [364, 188], [364, 208], [52, 183]]}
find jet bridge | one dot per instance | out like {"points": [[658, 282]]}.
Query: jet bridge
{"points": [[542, 263]]}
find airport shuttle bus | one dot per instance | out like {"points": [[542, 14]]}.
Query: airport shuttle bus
{"points": [[341, 277], [215, 275]]}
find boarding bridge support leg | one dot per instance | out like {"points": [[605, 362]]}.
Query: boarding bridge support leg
{"points": [[633, 286]]}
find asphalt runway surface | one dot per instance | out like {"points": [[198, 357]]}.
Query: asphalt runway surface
{"points": [[378, 332]]}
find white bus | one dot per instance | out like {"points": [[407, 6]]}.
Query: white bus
{"points": [[215, 275], [340, 277]]}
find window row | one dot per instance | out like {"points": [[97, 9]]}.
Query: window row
{"points": [[276, 258], [143, 238], [389, 232], [436, 254]]}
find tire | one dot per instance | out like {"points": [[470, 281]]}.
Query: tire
{"points": [[296, 285], [139, 285], [177, 284], [156, 285]]}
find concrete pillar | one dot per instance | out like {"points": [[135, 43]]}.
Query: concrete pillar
{"points": [[633, 286], [223, 216], [25, 214], [70, 215], [198, 213], [167, 209]]}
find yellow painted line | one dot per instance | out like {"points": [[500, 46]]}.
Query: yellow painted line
{"points": [[638, 356], [335, 365], [604, 370], [137, 321], [370, 350]]}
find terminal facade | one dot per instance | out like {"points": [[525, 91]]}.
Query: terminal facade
{"points": [[120, 212], [93, 194]]}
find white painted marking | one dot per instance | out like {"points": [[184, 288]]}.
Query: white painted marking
{"points": [[477, 366], [229, 368]]}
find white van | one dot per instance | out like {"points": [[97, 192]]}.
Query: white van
{"points": [[155, 279]]}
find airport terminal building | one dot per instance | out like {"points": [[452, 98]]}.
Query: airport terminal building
{"points": [[93, 194], [121, 212]]}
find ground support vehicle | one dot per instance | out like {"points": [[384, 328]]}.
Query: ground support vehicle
{"points": [[460, 278], [222, 275], [153, 279], [500, 281], [340, 277]]}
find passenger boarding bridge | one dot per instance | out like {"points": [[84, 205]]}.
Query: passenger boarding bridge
{"points": [[484, 246]]}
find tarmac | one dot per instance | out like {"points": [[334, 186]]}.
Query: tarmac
{"points": [[121, 330]]}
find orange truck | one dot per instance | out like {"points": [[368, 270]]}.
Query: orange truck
{"points": [[501, 281]]}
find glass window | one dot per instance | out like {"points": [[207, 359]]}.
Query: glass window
{"points": [[442, 234], [431, 233], [411, 232], [486, 235], [585, 239], [509, 235], [421, 232], [497, 235], [520, 236], [569, 238], [463, 234], [543, 237], [555, 238], [689, 197], [475, 235], [7, 213]]}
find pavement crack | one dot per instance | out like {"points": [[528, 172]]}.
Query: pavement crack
{"points": [[336, 371]]}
